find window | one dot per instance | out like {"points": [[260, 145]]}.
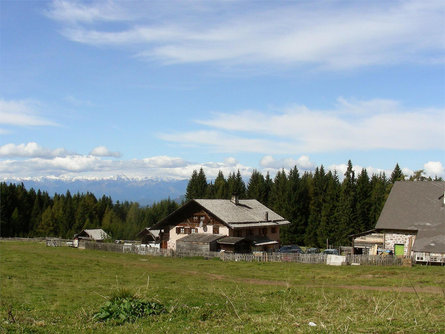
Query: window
{"points": [[195, 218], [273, 230], [201, 219], [194, 230], [264, 230], [215, 229], [178, 230], [182, 231]]}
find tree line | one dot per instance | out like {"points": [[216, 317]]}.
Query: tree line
{"points": [[320, 207], [30, 213]]}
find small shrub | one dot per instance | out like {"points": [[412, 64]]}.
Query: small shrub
{"points": [[124, 306]]}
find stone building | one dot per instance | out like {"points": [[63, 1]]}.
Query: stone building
{"points": [[412, 222]]}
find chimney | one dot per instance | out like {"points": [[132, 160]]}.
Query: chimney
{"points": [[235, 199], [266, 216]]}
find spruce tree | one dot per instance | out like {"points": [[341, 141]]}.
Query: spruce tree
{"points": [[363, 202], [329, 212], [318, 187], [397, 174], [256, 187], [221, 188], [347, 207]]}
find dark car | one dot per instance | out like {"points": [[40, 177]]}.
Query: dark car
{"points": [[331, 251], [291, 249], [312, 250]]}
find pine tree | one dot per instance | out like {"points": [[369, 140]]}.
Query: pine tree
{"points": [[318, 189], [329, 212], [397, 174], [256, 187], [197, 185], [363, 202], [379, 192], [236, 185], [347, 206], [221, 189]]}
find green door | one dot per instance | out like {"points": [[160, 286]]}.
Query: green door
{"points": [[399, 250]]}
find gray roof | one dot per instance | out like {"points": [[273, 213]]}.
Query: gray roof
{"points": [[201, 237], [247, 213], [230, 240], [417, 206], [95, 234]]}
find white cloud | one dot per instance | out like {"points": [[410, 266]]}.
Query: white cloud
{"points": [[33, 161], [434, 168], [75, 12], [21, 113], [102, 151], [302, 162], [230, 161], [164, 162], [332, 35], [350, 125], [29, 150]]}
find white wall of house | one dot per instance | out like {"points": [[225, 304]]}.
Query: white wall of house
{"points": [[209, 229]]}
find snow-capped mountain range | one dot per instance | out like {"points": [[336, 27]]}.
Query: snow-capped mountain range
{"points": [[120, 188]]}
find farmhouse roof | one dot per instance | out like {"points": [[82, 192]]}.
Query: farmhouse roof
{"points": [[242, 213], [201, 237], [417, 206]]}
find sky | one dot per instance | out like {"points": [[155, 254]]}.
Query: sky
{"points": [[156, 89]]}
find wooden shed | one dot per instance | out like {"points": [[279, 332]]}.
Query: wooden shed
{"points": [[199, 242], [234, 245]]}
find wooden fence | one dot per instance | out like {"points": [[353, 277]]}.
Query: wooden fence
{"points": [[376, 260]]}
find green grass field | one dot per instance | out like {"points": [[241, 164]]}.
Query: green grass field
{"points": [[58, 290]]}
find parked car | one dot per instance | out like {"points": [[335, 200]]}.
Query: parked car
{"points": [[331, 251], [291, 249], [312, 250]]}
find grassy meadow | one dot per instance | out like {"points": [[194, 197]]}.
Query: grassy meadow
{"points": [[58, 290]]}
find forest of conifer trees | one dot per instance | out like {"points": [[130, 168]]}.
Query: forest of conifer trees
{"points": [[27, 213], [318, 205]]}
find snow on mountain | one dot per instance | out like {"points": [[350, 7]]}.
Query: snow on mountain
{"points": [[119, 188]]}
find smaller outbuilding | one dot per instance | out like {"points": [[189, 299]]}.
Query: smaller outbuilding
{"points": [[97, 235], [199, 242], [234, 245], [92, 234], [148, 236]]}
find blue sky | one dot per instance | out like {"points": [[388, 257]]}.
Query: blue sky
{"points": [[156, 89]]}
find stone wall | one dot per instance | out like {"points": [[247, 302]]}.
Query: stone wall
{"points": [[398, 238]]}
